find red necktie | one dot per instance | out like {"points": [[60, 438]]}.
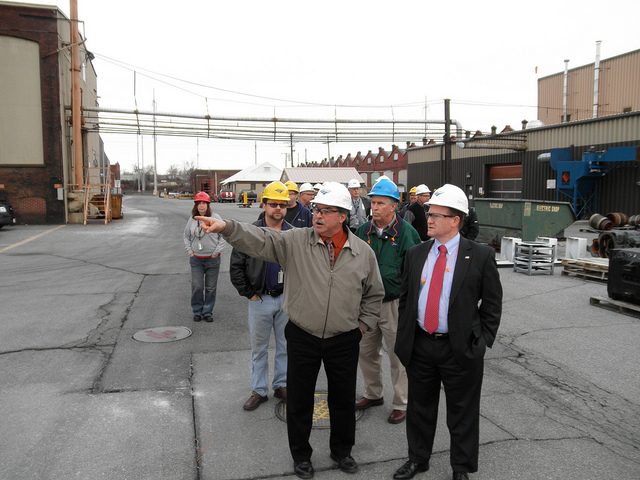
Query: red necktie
{"points": [[435, 288], [332, 255]]}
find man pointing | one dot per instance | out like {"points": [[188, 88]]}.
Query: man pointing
{"points": [[326, 324]]}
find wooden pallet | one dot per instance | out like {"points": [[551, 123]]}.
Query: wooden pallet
{"points": [[616, 306], [587, 268]]}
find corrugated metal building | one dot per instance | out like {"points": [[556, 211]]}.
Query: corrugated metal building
{"points": [[501, 171], [618, 90]]}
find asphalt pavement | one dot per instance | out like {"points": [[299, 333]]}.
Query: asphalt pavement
{"points": [[81, 398]]}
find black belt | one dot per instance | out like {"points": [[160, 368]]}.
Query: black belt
{"points": [[433, 336], [274, 293]]}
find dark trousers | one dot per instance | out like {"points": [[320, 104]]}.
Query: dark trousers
{"points": [[339, 355], [432, 364]]}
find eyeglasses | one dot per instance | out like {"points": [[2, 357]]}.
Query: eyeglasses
{"points": [[438, 216], [277, 205], [323, 211]]}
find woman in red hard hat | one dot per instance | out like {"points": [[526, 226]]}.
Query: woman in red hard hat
{"points": [[204, 257]]}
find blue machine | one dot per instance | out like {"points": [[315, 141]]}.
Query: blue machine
{"points": [[578, 180]]}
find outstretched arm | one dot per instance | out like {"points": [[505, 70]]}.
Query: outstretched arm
{"points": [[212, 225]]}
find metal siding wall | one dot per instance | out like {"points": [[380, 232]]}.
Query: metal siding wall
{"points": [[618, 190], [619, 87]]}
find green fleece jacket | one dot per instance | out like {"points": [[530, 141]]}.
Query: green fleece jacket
{"points": [[390, 250]]}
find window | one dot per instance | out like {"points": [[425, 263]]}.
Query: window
{"points": [[395, 157]]}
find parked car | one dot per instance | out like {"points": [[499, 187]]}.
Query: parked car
{"points": [[7, 217], [251, 196], [227, 196]]}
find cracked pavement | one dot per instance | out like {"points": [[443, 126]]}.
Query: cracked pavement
{"points": [[80, 398]]}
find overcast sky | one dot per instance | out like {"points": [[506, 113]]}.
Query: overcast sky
{"points": [[351, 53]]}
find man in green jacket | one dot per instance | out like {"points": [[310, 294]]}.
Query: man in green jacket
{"points": [[390, 237]]}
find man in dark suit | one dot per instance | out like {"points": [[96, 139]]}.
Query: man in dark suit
{"points": [[449, 312]]}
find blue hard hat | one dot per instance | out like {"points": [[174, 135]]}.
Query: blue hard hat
{"points": [[385, 188]]}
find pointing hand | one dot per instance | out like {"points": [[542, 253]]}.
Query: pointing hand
{"points": [[212, 225]]}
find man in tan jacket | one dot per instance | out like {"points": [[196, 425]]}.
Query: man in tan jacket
{"points": [[326, 326]]}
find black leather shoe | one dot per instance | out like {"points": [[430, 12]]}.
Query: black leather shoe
{"points": [[346, 464], [409, 470], [197, 318], [303, 469], [208, 319], [460, 476]]}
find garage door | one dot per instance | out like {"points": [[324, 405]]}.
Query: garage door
{"points": [[505, 181]]}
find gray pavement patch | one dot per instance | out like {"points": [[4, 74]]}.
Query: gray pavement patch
{"points": [[141, 435]]}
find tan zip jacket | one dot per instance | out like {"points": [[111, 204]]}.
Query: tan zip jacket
{"points": [[321, 301]]}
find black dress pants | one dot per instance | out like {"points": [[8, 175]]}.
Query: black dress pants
{"points": [[305, 353], [432, 365]]}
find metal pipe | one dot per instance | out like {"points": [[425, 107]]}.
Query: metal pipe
{"points": [[503, 146], [596, 80], [76, 113], [263, 119], [564, 91]]}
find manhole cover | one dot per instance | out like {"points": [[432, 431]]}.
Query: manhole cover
{"points": [[320, 411], [162, 334]]}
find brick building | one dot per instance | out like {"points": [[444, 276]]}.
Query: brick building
{"points": [[391, 163], [35, 132]]}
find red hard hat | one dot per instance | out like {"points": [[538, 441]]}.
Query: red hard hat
{"points": [[202, 197]]}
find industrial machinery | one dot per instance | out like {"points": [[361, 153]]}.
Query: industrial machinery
{"points": [[577, 180], [624, 275], [525, 219]]}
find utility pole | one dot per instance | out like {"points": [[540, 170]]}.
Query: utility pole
{"points": [[155, 139], [328, 151], [138, 153], [144, 180], [447, 141], [291, 136]]}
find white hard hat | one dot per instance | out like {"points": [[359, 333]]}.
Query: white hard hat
{"points": [[422, 188], [450, 196], [334, 194], [317, 186], [382, 177], [306, 187], [354, 183]]}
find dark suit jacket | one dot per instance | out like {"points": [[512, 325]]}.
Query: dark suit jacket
{"points": [[475, 305]]}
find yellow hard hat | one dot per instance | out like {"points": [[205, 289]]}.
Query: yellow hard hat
{"points": [[412, 191], [276, 191], [292, 186]]}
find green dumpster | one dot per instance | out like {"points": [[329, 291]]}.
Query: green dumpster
{"points": [[525, 219]]}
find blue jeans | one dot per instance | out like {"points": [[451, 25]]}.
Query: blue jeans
{"points": [[204, 283], [264, 315]]}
